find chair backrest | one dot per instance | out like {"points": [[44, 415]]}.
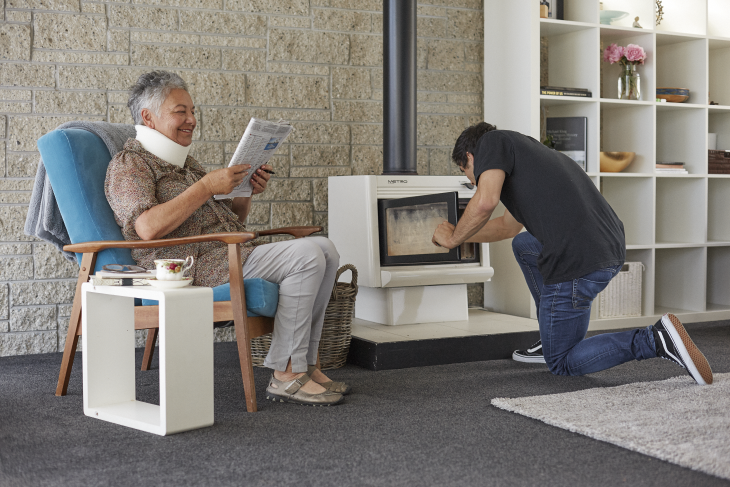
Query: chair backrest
{"points": [[76, 161]]}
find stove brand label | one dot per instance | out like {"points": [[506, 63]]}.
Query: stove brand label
{"points": [[397, 181]]}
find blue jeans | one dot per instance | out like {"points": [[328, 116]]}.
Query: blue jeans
{"points": [[563, 312]]}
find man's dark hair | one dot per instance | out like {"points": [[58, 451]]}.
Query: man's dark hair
{"points": [[467, 141]]}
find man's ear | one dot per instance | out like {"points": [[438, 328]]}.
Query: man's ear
{"points": [[469, 159], [147, 118]]}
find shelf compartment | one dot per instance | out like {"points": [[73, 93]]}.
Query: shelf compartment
{"points": [[578, 108], [719, 70], [681, 210], [718, 202], [633, 201], [718, 270], [718, 18], [572, 60], [719, 123], [678, 278], [681, 136], [685, 16], [628, 128], [681, 62], [610, 72]]}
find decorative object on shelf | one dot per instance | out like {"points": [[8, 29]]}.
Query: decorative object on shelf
{"points": [[659, 8], [616, 161], [544, 9], [629, 82], [563, 91], [569, 137], [609, 16], [636, 23], [664, 167], [673, 95], [718, 162]]}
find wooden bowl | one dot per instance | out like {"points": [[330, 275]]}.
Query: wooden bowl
{"points": [[616, 161], [673, 95]]}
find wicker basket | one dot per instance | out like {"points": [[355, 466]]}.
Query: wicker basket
{"points": [[336, 331], [622, 296]]}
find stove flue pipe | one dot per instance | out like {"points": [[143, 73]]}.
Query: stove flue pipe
{"points": [[399, 87]]}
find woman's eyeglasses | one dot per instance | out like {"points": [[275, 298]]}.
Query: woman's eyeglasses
{"points": [[123, 268]]}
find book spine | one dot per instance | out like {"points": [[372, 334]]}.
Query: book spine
{"points": [[718, 166], [583, 94], [719, 171]]}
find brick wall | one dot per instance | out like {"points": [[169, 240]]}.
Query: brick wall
{"points": [[317, 63]]}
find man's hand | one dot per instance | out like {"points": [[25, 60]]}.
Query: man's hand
{"points": [[260, 179], [223, 181], [442, 235]]}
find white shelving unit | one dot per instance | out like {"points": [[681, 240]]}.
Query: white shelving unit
{"points": [[676, 225]]}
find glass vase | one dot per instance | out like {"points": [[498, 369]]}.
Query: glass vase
{"points": [[629, 83]]}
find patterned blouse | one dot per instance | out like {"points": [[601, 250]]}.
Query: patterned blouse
{"points": [[137, 180]]}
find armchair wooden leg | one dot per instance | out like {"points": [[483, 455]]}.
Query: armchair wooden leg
{"points": [[74, 325], [149, 348], [238, 305]]}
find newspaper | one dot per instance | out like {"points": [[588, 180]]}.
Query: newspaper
{"points": [[258, 144]]}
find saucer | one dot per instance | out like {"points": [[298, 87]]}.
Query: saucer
{"points": [[185, 281]]}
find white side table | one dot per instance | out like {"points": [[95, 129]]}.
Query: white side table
{"points": [[185, 352]]}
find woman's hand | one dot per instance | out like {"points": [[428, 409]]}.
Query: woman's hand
{"points": [[223, 181], [260, 179]]}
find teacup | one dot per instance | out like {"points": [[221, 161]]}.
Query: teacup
{"points": [[172, 269]]}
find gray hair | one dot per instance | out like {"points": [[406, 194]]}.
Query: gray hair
{"points": [[150, 91]]}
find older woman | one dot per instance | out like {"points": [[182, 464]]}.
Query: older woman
{"points": [[157, 190]]}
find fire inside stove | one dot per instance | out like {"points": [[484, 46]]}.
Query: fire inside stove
{"points": [[406, 226]]}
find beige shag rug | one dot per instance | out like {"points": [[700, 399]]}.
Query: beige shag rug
{"points": [[674, 420]]}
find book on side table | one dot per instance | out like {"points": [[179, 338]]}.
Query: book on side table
{"points": [[111, 278]]}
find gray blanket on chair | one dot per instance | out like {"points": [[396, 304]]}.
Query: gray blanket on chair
{"points": [[44, 219]]}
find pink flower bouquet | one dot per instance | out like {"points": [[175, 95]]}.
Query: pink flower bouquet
{"points": [[631, 54]]}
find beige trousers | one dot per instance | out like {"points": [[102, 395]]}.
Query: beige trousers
{"points": [[305, 270]]}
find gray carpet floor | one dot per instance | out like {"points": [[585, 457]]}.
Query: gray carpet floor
{"points": [[417, 427]]}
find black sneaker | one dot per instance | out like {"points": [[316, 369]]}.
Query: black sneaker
{"points": [[531, 355], [673, 343]]}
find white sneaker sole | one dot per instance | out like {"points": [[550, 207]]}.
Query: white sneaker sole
{"points": [[697, 365], [528, 360]]}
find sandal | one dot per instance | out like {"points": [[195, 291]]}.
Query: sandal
{"points": [[290, 391], [332, 386]]}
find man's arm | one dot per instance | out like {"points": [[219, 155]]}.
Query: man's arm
{"points": [[477, 212], [498, 229]]}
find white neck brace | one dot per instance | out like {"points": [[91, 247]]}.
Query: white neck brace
{"points": [[159, 145]]}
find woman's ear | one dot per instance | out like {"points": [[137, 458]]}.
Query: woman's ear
{"points": [[147, 118]]}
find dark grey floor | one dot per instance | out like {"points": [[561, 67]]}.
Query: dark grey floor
{"points": [[420, 427]]}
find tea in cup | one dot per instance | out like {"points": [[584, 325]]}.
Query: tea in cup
{"points": [[172, 269]]}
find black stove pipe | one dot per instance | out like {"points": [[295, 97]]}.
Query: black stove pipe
{"points": [[399, 87]]}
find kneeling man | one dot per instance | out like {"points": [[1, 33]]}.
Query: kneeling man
{"points": [[574, 245]]}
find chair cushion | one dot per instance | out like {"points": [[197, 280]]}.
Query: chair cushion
{"points": [[262, 297], [76, 161]]}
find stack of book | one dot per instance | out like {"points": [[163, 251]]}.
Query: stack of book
{"points": [[671, 168], [719, 162], [109, 278], [562, 91]]}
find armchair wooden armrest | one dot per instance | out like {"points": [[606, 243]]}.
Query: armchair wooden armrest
{"points": [[229, 238], [297, 232]]}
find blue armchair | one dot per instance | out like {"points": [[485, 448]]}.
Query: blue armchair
{"points": [[76, 162]]}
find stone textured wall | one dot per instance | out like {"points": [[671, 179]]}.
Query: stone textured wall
{"points": [[317, 63]]}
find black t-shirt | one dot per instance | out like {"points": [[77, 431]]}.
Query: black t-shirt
{"points": [[557, 202]]}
